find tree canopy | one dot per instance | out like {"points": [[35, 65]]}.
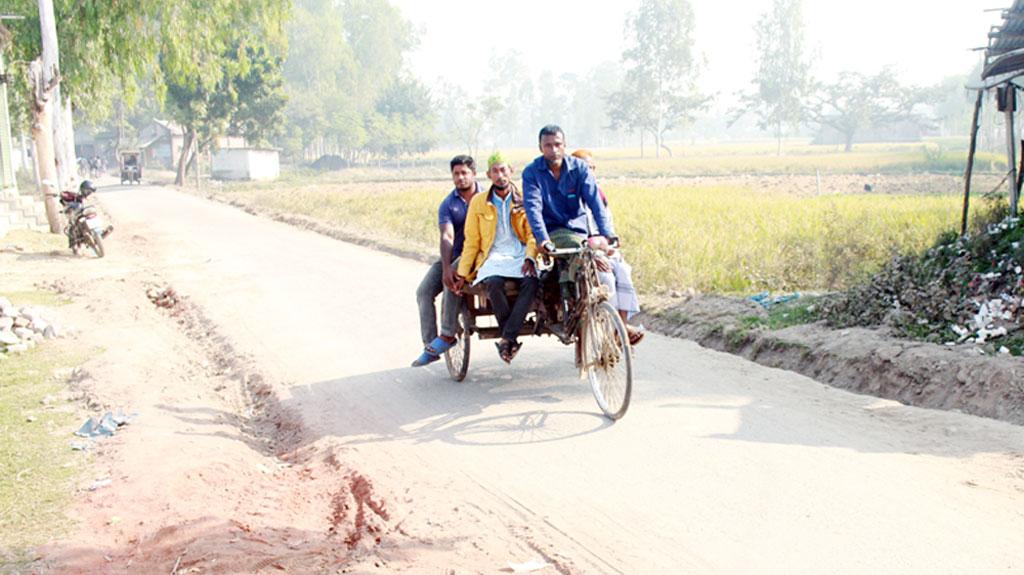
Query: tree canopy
{"points": [[659, 91], [347, 92], [858, 101], [782, 81]]}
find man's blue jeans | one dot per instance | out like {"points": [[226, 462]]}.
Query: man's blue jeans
{"points": [[428, 291]]}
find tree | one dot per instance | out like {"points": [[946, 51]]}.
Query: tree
{"points": [[110, 49], [243, 35], [515, 125], [254, 99], [467, 118], [856, 101], [247, 101], [952, 105], [102, 52], [343, 59], [404, 120], [589, 110], [319, 74], [659, 91], [783, 76]]}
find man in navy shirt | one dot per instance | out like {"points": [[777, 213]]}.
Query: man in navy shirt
{"points": [[557, 191], [556, 187], [451, 220]]}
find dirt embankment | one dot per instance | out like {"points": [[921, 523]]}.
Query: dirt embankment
{"points": [[210, 476], [869, 361]]}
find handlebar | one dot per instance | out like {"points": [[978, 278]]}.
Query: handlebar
{"points": [[566, 251], [613, 244]]}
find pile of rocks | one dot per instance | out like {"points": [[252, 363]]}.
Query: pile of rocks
{"points": [[22, 328]]}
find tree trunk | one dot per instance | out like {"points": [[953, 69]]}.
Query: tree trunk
{"points": [[849, 142], [186, 156], [642, 144], [778, 139], [661, 144], [42, 136]]}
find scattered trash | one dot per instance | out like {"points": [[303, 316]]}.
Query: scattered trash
{"points": [[528, 567], [765, 299], [100, 484], [964, 290], [81, 445], [106, 426], [30, 418]]}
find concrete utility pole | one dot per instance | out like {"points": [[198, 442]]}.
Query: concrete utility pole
{"points": [[63, 138], [8, 183]]}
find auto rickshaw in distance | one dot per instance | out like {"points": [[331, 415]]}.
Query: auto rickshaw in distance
{"points": [[131, 167]]}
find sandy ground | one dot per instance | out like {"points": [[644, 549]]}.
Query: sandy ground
{"points": [[281, 431]]}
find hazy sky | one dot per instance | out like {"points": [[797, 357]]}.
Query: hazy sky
{"points": [[925, 39]]}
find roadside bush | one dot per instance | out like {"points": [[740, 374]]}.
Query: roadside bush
{"points": [[968, 289]]}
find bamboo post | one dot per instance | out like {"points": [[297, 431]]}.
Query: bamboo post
{"points": [[970, 162], [1011, 145]]}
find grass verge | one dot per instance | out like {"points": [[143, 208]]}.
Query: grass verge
{"points": [[780, 316], [37, 467]]}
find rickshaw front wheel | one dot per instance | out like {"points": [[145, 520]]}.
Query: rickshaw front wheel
{"points": [[608, 359]]}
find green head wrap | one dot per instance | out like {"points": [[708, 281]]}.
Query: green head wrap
{"points": [[495, 159]]}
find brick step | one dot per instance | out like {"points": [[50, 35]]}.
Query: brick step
{"points": [[27, 201]]}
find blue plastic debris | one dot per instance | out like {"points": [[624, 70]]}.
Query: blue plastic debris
{"points": [[765, 299], [106, 426]]}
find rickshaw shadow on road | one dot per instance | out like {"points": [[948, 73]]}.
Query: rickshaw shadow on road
{"points": [[488, 409]]}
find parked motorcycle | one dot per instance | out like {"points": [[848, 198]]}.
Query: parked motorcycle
{"points": [[85, 224]]}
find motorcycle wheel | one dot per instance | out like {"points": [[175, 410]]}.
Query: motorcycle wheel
{"points": [[95, 242]]}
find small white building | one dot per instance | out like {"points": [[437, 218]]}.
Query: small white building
{"points": [[246, 164]]}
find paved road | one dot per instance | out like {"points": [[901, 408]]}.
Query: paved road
{"points": [[720, 466]]}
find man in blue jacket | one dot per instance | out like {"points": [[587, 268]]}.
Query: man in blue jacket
{"points": [[556, 187], [557, 190]]}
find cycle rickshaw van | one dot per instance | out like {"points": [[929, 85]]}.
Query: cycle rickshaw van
{"points": [[577, 314], [131, 166]]}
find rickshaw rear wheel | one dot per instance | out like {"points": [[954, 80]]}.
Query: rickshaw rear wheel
{"points": [[457, 356]]}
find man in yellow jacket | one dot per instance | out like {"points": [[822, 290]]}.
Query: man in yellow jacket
{"points": [[499, 246]]}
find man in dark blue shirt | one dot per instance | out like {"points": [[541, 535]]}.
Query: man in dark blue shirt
{"points": [[557, 191], [451, 221], [556, 187]]}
